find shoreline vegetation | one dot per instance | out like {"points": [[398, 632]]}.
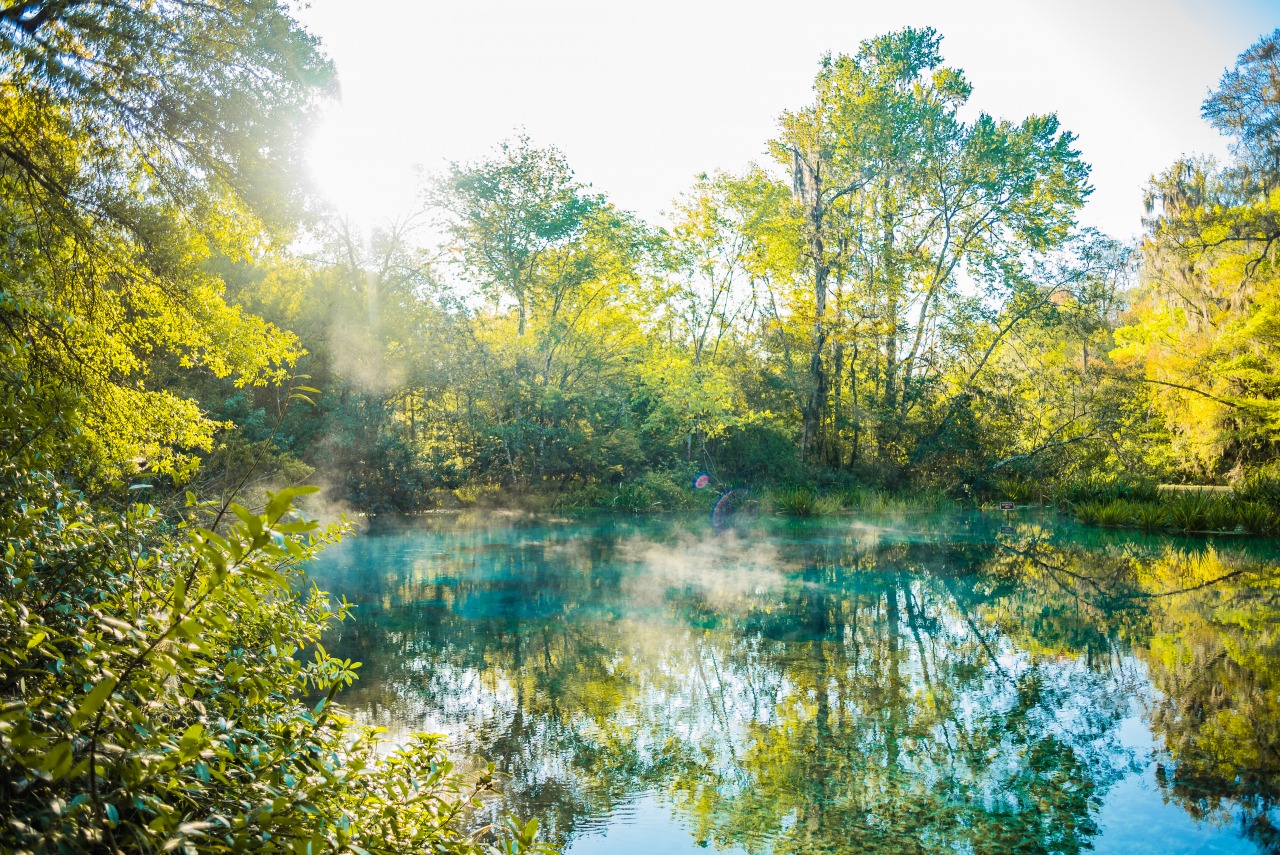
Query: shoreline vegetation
{"points": [[1251, 507]]}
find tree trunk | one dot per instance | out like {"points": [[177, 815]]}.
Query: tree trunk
{"points": [[810, 181]]}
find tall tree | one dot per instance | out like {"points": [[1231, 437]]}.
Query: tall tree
{"points": [[1205, 326], [531, 237], [903, 202]]}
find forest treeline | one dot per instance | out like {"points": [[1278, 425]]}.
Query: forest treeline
{"points": [[899, 297]]}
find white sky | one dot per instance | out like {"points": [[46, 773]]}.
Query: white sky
{"points": [[642, 97]]}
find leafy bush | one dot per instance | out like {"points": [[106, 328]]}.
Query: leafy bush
{"points": [[759, 452], [654, 491], [1018, 488], [152, 685]]}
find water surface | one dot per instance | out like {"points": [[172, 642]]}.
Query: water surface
{"points": [[909, 684]]}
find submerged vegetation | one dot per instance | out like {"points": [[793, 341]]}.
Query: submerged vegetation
{"points": [[898, 310]]}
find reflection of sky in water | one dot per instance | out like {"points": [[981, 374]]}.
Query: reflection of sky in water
{"points": [[838, 686]]}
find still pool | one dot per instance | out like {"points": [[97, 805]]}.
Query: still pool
{"points": [[871, 684]]}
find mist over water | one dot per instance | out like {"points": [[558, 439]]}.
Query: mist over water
{"points": [[854, 685]]}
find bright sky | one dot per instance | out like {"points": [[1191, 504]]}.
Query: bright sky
{"points": [[642, 97]]}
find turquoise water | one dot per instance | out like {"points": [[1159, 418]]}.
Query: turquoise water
{"points": [[908, 684]]}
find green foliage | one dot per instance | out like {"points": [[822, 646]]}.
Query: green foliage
{"points": [[882, 501], [1150, 516], [1188, 511], [1117, 512], [138, 141], [1262, 486], [1097, 488], [801, 501], [1204, 330], [153, 681], [1256, 518], [1198, 510], [656, 491], [896, 198]]}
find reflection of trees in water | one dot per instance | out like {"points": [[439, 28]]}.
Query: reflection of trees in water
{"points": [[875, 697], [1205, 623], [904, 725]]}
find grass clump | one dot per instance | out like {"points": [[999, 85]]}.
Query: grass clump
{"points": [[655, 492], [1096, 488], [1116, 513], [873, 501], [1188, 511], [1151, 516], [794, 501]]}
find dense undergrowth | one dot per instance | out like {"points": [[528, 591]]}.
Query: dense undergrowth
{"points": [[158, 676]]}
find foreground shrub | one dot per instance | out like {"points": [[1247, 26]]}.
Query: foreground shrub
{"points": [[152, 682]]}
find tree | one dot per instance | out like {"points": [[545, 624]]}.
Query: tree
{"points": [[520, 222], [903, 202], [527, 233], [137, 142], [1204, 330]]}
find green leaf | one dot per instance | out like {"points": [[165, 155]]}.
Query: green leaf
{"points": [[95, 699], [58, 760]]}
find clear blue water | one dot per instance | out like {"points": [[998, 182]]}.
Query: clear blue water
{"points": [[891, 684]]}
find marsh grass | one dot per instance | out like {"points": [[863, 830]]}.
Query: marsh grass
{"points": [[799, 501], [1116, 513], [880, 501], [1103, 490]]}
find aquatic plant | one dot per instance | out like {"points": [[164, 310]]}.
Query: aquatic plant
{"points": [[881, 501], [1019, 488], [1104, 489], [802, 501], [1087, 512], [1261, 486], [1201, 510], [1150, 516], [1115, 513], [1256, 518], [794, 501]]}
